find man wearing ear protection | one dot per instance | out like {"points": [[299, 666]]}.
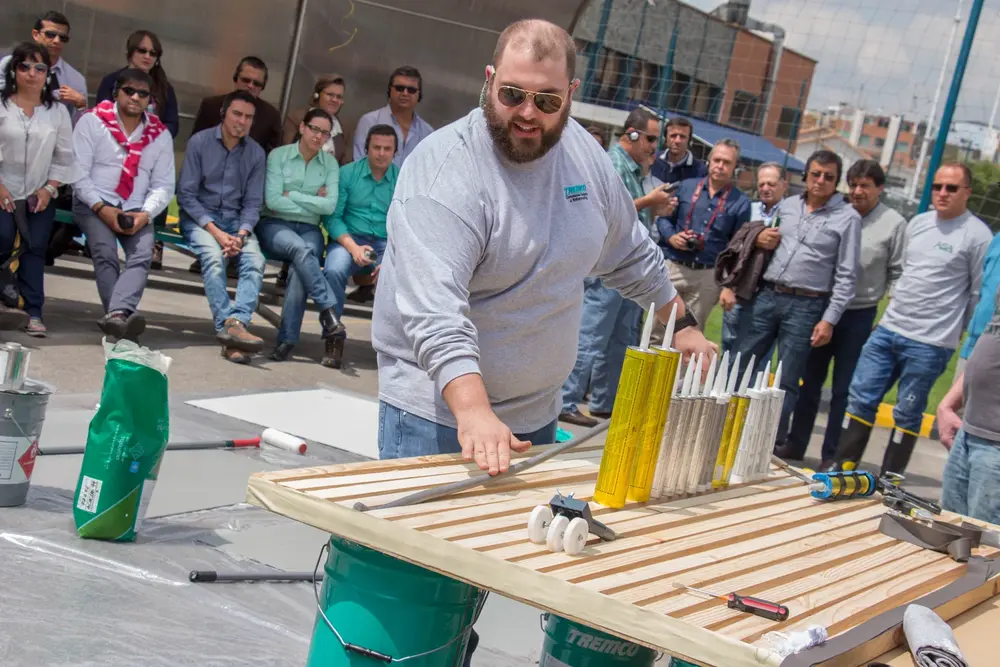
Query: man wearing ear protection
{"points": [[496, 221], [251, 76], [405, 91]]}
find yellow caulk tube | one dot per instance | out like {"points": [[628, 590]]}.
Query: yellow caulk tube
{"points": [[718, 474], [739, 420], [627, 415], [660, 390]]}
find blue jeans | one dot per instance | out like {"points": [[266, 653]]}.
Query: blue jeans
{"points": [[340, 265], [734, 328], [301, 244], [609, 324], [213, 270], [844, 350], [31, 263], [886, 358], [788, 320], [971, 480], [403, 435]]}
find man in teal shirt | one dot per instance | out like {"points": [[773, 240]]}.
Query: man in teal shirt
{"points": [[357, 227], [300, 189], [983, 312]]}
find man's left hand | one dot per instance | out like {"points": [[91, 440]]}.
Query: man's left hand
{"points": [[141, 219], [822, 333], [43, 200], [690, 341], [75, 98]]}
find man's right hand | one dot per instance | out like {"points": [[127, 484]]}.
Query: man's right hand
{"points": [[487, 440], [679, 240], [109, 216], [659, 198], [727, 299], [230, 245], [768, 239], [358, 254]]}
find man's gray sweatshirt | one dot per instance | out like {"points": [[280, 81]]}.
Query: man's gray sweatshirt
{"points": [[942, 272], [485, 265], [881, 256]]}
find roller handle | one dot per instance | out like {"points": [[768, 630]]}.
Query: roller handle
{"points": [[757, 607], [247, 442]]}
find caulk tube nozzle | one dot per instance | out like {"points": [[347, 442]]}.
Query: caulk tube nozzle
{"points": [[720, 379], [668, 335], [647, 327], [696, 384], [710, 378], [777, 377], [766, 377], [734, 376], [688, 378], [747, 375]]}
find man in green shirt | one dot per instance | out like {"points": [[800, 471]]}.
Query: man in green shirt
{"points": [[357, 227], [300, 189]]}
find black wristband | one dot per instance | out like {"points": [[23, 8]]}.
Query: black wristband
{"points": [[688, 320]]}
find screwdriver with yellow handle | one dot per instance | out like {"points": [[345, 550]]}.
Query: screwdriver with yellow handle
{"points": [[744, 603]]}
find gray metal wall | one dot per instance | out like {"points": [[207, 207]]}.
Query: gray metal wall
{"points": [[449, 41]]}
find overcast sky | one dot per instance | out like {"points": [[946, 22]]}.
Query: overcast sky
{"points": [[893, 48]]}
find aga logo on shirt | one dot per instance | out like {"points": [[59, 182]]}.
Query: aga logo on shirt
{"points": [[575, 193], [945, 247]]}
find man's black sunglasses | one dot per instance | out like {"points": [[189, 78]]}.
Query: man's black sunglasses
{"points": [[408, 89], [132, 92], [55, 34]]}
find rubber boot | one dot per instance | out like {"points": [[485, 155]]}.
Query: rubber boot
{"points": [[897, 454], [853, 440]]}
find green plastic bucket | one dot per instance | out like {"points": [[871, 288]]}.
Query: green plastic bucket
{"points": [[382, 604], [569, 644]]}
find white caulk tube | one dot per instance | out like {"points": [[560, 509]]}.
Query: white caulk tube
{"points": [[283, 440]]}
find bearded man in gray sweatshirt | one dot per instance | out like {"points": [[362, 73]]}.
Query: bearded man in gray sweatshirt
{"points": [[495, 222], [943, 252]]}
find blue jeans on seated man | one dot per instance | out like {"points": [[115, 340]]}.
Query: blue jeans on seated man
{"points": [[971, 479], [340, 265], [886, 358], [609, 324], [788, 320], [250, 263], [844, 350], [301, 244]]}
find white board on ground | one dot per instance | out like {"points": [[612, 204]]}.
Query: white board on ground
{"points": [[340, 419]]}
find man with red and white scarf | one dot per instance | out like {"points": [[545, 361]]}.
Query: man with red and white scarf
{"points": [[127, 159]]}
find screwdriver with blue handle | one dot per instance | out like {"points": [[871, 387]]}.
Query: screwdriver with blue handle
{"points": [[744, 603]]}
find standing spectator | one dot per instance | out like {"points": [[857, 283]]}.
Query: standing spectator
{"points": [[810, 279], [772, 184], [972, 473], [51, 31], [677, 163], [251, 76], [609, 323], [301, 189], [357, 228], [220, 192], [598, 134], [709, 211], [127, 160], [405, 91], [880, 266], [920, 330], [143, 52], [984, 310], [36, 157], [328, 95]]}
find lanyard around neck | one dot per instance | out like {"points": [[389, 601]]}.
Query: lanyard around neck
{"points": [[718, 207]]}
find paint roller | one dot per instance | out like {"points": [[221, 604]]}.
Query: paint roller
{"points": [[270, 436]]}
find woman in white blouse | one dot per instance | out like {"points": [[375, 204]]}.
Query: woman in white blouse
{"points": [[36, 157]]}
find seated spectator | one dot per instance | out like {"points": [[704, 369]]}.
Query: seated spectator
{"points": [[36, 157], [328, 95], [357, 228], [251, 76], [405, 91], [301, 189], [143, 52], [127, 161], [220, 192]]}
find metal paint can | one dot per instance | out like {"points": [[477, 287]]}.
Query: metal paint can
{"points": [[14, 362], [627, 415]]}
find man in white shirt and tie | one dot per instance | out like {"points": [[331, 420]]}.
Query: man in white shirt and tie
{"points": [[127, 158]]}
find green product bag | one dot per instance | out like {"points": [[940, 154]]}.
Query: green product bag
{"points": [[125, 443]]}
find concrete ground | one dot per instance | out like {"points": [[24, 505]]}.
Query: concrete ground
{"points": [[193, 482]]}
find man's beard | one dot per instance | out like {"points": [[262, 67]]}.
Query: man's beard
{"points": [[513, 150]]}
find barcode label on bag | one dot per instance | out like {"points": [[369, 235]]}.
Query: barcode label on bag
{"points": [[90, 493]]}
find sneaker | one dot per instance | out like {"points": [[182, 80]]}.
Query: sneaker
{"points": [[36, 328], [234, 334]]}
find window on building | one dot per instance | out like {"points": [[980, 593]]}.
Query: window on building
{"points": [[869, 120], [704, 99], [644, 77], [907, 126], [879, 142], [611, 66], [865, 140], [902, 147], [743, 110], [677, 94], [788, 123], [883, 121]]}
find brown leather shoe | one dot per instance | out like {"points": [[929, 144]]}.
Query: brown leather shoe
{"points": [[600, 415], [236, 356], [577, 418], [333, 352], [234, 334]]}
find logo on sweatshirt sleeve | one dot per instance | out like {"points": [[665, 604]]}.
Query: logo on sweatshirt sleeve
{"points": [[575, 192]]}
